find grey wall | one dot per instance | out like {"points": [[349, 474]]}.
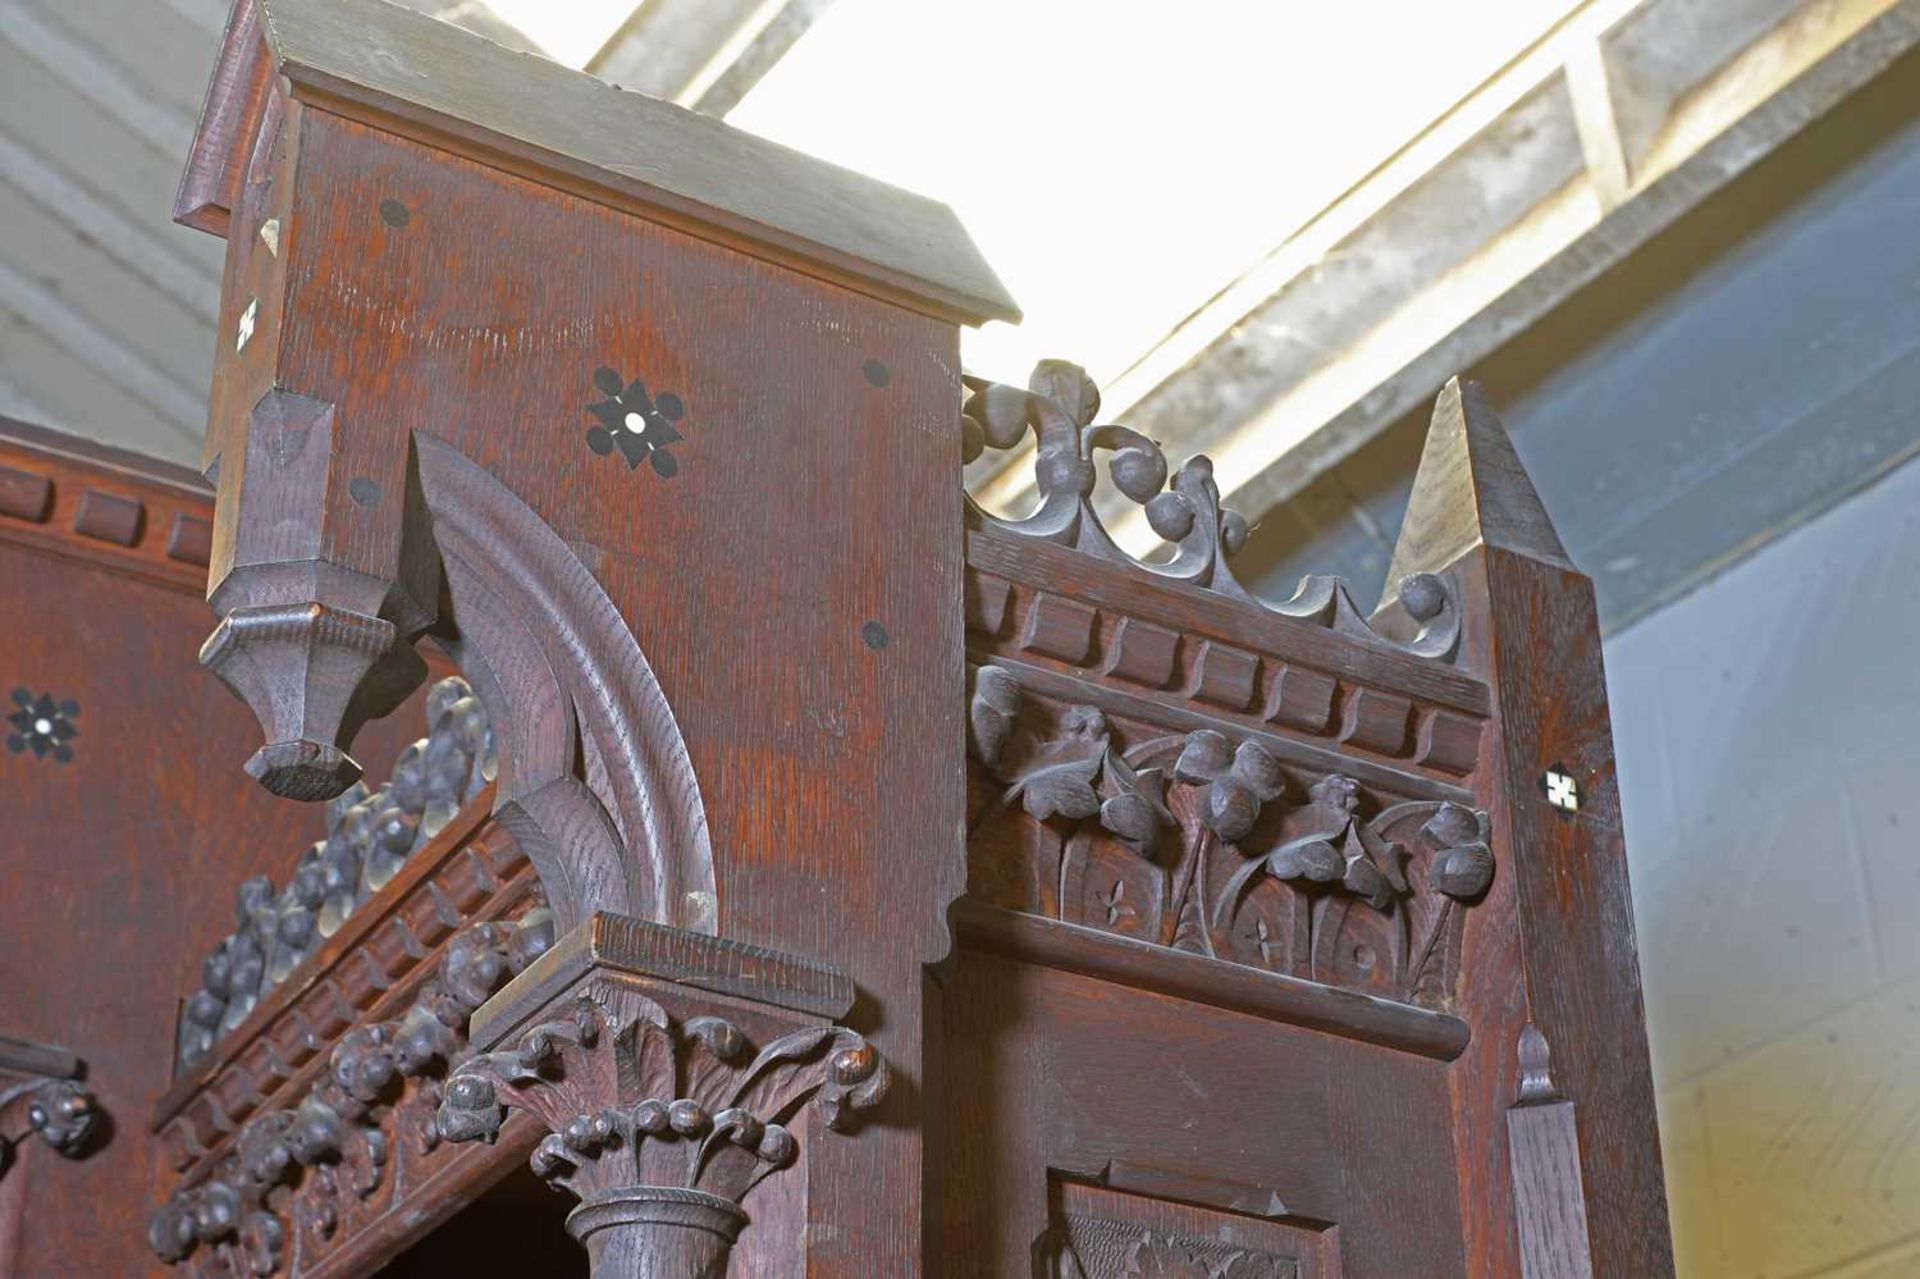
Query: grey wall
{"points": [[1768, 735], [1720, 429]]}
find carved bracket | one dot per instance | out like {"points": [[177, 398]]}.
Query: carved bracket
{"points": [[594, 779]]}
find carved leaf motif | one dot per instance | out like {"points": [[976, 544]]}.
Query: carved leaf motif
{"points": [[1465, 872], [1308, 859], [1068, 386], [1311, 858], [993, 712], [1138, 810], [1204, 758], [1058, 780], [1364, 880], [1238, 781], [1132, 817], [1063, 789]]}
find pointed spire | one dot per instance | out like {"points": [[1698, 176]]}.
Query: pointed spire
{"points": [[1470, 491]]}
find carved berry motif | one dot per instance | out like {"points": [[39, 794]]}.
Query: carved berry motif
{"points": [[637, 424], [370, 836], [58, 1111], [334, 1147]]}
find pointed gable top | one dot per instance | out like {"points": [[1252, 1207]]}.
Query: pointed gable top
{"points": [[415, 74], [1470, 491]]}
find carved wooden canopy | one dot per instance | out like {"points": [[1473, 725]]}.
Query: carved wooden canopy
{"points": [[653, 429]]}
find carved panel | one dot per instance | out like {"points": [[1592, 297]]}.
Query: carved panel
{"points": [[1203, 843], [1055, 588], [1183, 507], [1098, 1233]]}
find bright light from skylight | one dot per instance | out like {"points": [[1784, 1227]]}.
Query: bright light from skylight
{"points": [[1119, 162], [570, 31]]}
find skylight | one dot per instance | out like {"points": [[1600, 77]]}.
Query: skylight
{"points": [[1118, 163], [570, 31]]}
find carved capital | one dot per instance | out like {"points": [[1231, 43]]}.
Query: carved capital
{"points": [[659, 1117]]}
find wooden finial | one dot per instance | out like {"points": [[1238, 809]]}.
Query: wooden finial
{"points": [[1470, 491]]}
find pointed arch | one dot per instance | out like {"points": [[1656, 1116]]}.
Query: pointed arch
{"points": [[595, 780]]}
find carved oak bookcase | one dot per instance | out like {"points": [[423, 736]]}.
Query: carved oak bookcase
{"points": [[807, 871]]}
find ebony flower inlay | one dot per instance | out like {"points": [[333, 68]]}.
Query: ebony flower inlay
{"points": [[640, 425], [42, 725]]}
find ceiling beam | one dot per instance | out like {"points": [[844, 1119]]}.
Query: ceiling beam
{"points": [[1624, 117], [703, 54]]}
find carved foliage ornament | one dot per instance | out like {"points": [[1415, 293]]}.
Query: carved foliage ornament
{"points": [[660, 1121], [1194, 842], [1059, 407], [303, 1168], [370, 835]]}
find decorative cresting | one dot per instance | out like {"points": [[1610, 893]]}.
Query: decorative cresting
{"points": [[370, 836], [41, 1096], [1059, 407], [1206, 844], [297, 1174], [660, 1126]]}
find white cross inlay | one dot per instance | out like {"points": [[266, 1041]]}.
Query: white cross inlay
{"points": [[1562, 791], [247, 317]]}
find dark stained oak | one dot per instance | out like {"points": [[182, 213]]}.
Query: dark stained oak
{"points": [[815, 873], [121, 864]]}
